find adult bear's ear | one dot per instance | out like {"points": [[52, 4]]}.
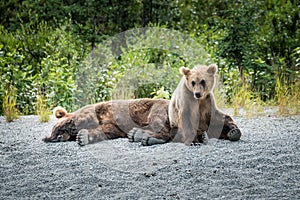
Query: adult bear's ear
{"points": [[212, 69], [184, 71], [60, 112]]}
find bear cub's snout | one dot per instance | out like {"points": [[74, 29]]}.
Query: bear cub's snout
{"points": [[197, 95]]}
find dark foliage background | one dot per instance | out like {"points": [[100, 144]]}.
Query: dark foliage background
{"points": [[44, 45]]}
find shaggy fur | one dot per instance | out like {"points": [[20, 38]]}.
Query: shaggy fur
{"points": [[112, 119], [141, 120], [193, 110]]}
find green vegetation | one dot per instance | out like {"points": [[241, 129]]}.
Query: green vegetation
{"points": [[9, 105], [42, 108], [74, 53], [287, 97]]}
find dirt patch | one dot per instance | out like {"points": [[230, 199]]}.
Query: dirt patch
{"points": [[264, 164]]}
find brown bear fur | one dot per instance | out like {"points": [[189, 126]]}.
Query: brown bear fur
{"points": [[193, 110], [141, 120], [112, 119]]}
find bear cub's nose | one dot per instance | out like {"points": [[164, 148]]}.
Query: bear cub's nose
{"points": [[197, 95]]}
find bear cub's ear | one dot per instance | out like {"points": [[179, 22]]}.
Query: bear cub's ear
{"points": [[212, 69], [184, 71]]}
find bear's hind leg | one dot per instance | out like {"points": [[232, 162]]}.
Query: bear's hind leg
{"points": [[230, 130], [222, 126]]}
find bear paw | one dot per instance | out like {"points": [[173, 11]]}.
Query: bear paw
{"points": [[148, 140], [203, 139], [139, 135], [234, 134], [82, 137], [135, 135]]}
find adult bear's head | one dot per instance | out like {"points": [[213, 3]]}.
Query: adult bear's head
{"points": [[64, 129]]}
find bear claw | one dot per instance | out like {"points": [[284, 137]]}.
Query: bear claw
{"points": [[131, 134], [196, 144]]}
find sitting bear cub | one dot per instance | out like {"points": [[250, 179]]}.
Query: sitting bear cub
{"points": [[192, 108]]}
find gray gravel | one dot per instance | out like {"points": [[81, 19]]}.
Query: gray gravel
{"points": [[265, 164]]}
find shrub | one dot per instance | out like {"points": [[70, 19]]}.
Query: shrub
{"points": [[41, 57]]}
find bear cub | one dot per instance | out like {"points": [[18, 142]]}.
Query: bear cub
{"points": [[192, 108]]}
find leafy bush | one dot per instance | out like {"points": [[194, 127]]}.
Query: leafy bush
{"points": [[152, 58], [43, 59], [142, 77], [137, 64]]}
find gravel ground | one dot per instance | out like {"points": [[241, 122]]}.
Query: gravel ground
{"points": [[265, 164]]}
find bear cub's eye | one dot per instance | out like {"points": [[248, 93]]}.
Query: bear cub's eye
{"points": [[203, 83], [193, 83]]}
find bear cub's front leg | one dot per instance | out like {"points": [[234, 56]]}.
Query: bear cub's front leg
{"points": [[83, 137]]}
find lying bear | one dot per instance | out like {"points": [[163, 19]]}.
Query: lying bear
{"points": [[141, 120]]}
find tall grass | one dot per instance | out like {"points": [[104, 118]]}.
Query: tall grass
{"points": [[242, 98], [287, 97], [9, 104], [294, 103], [246, 100], [42, 108], [281, 95]]}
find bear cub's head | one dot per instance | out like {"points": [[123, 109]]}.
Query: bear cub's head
{"points": [[200, 80]]}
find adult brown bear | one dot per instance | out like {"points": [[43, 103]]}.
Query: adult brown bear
{"points": [[141, 120], [113, 119]]}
